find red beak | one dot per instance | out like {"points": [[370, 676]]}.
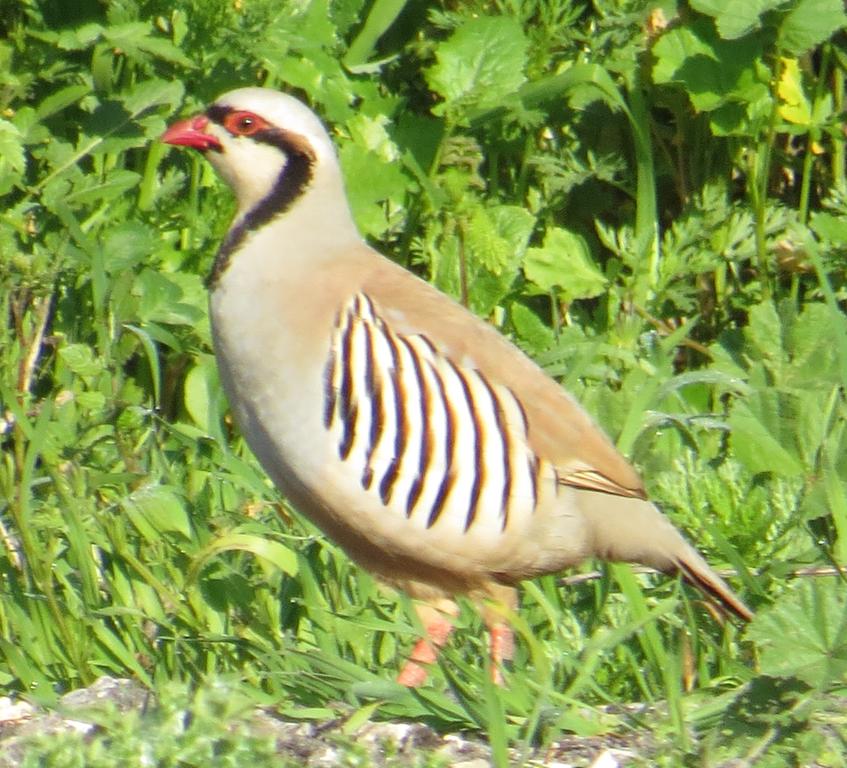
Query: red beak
{"points": [[191, 133]]}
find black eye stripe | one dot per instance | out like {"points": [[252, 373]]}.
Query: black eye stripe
{"points": [[217, 113], [288, 142]]}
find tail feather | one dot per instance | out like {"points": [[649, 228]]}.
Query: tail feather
{"points": [[634, 530], [700, 575]]}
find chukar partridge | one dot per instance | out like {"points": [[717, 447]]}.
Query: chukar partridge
{"points": [[437, 454]]}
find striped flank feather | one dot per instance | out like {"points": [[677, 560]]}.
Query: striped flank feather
{"points": [[436, 441]]}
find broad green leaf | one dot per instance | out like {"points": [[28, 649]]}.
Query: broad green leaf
{"points": [[153, 93], [376, 188], [114, 126], [482, 63], [710, 69], [157, 509], [80, 359], [162, 299], [92, 401], [810, 23], [92, 189], [272, 551], [126, 244], [804, 634], [765, 331], [496, 240], [79, 38], [203, 394], [163, 49], [382, 14], [530, 328], [61, 99], [794, 106], [12, 157], [376, 183], [487, 245], [564, 264], [371, 133], [830, 227], [734, 19], [757, 447], [814, 358]]}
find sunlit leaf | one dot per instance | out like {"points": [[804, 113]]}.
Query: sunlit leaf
{"points": [[481, 63], [794, 105], [565, 265], [734, 19], [804, 634], [809, 23]]}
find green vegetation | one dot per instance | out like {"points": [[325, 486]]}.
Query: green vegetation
{"points": [[649, 199]]}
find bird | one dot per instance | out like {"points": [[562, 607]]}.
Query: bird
{"points": [[436, 453]]}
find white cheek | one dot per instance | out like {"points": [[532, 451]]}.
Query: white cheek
{"points": [[249, 167]]}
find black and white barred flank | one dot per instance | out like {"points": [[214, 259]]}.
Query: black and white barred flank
{"points": [[434, 439]]}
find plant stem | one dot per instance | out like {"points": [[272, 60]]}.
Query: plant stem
{"points": [[646, 215], [760, 167], [838, 140], [812, 139]]}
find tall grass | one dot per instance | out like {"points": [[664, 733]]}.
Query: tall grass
{"points": [[653, 207]]}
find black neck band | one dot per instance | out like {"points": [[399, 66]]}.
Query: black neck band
{"points": [[289, 185]]}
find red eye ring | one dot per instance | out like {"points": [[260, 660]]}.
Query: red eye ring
{"points": [[244, 123]]}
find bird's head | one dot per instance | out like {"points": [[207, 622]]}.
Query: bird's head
{"points": [[267, 146]]}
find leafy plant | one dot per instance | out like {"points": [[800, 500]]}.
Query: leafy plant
{"points": [[650, 200]]}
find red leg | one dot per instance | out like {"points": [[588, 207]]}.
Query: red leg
{"points": [[501, 637], [438, 627]]}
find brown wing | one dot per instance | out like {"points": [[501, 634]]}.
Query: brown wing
{"points": [[559, 429]]}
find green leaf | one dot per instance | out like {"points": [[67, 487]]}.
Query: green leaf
{"points": [[272, 551], [765, 330], [126, 244], [495, 241], [756, 446], [488, 247], [814, 358], [734, 19], [162, 299], [711, 70], [152, 355], [12, 156], [158, 509], [165, 50], [382, 14], [530, 328], [804, 634], [810, 23], [134, 38], [794, 105], [564, 264], [204, 396], [91, 189], [830, 228], [80, 38], [481, 64], [61, 99], [153, 93], [376, 187], [81, 360]]}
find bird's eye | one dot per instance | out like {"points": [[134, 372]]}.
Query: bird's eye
{"points": [[244, 123]]}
